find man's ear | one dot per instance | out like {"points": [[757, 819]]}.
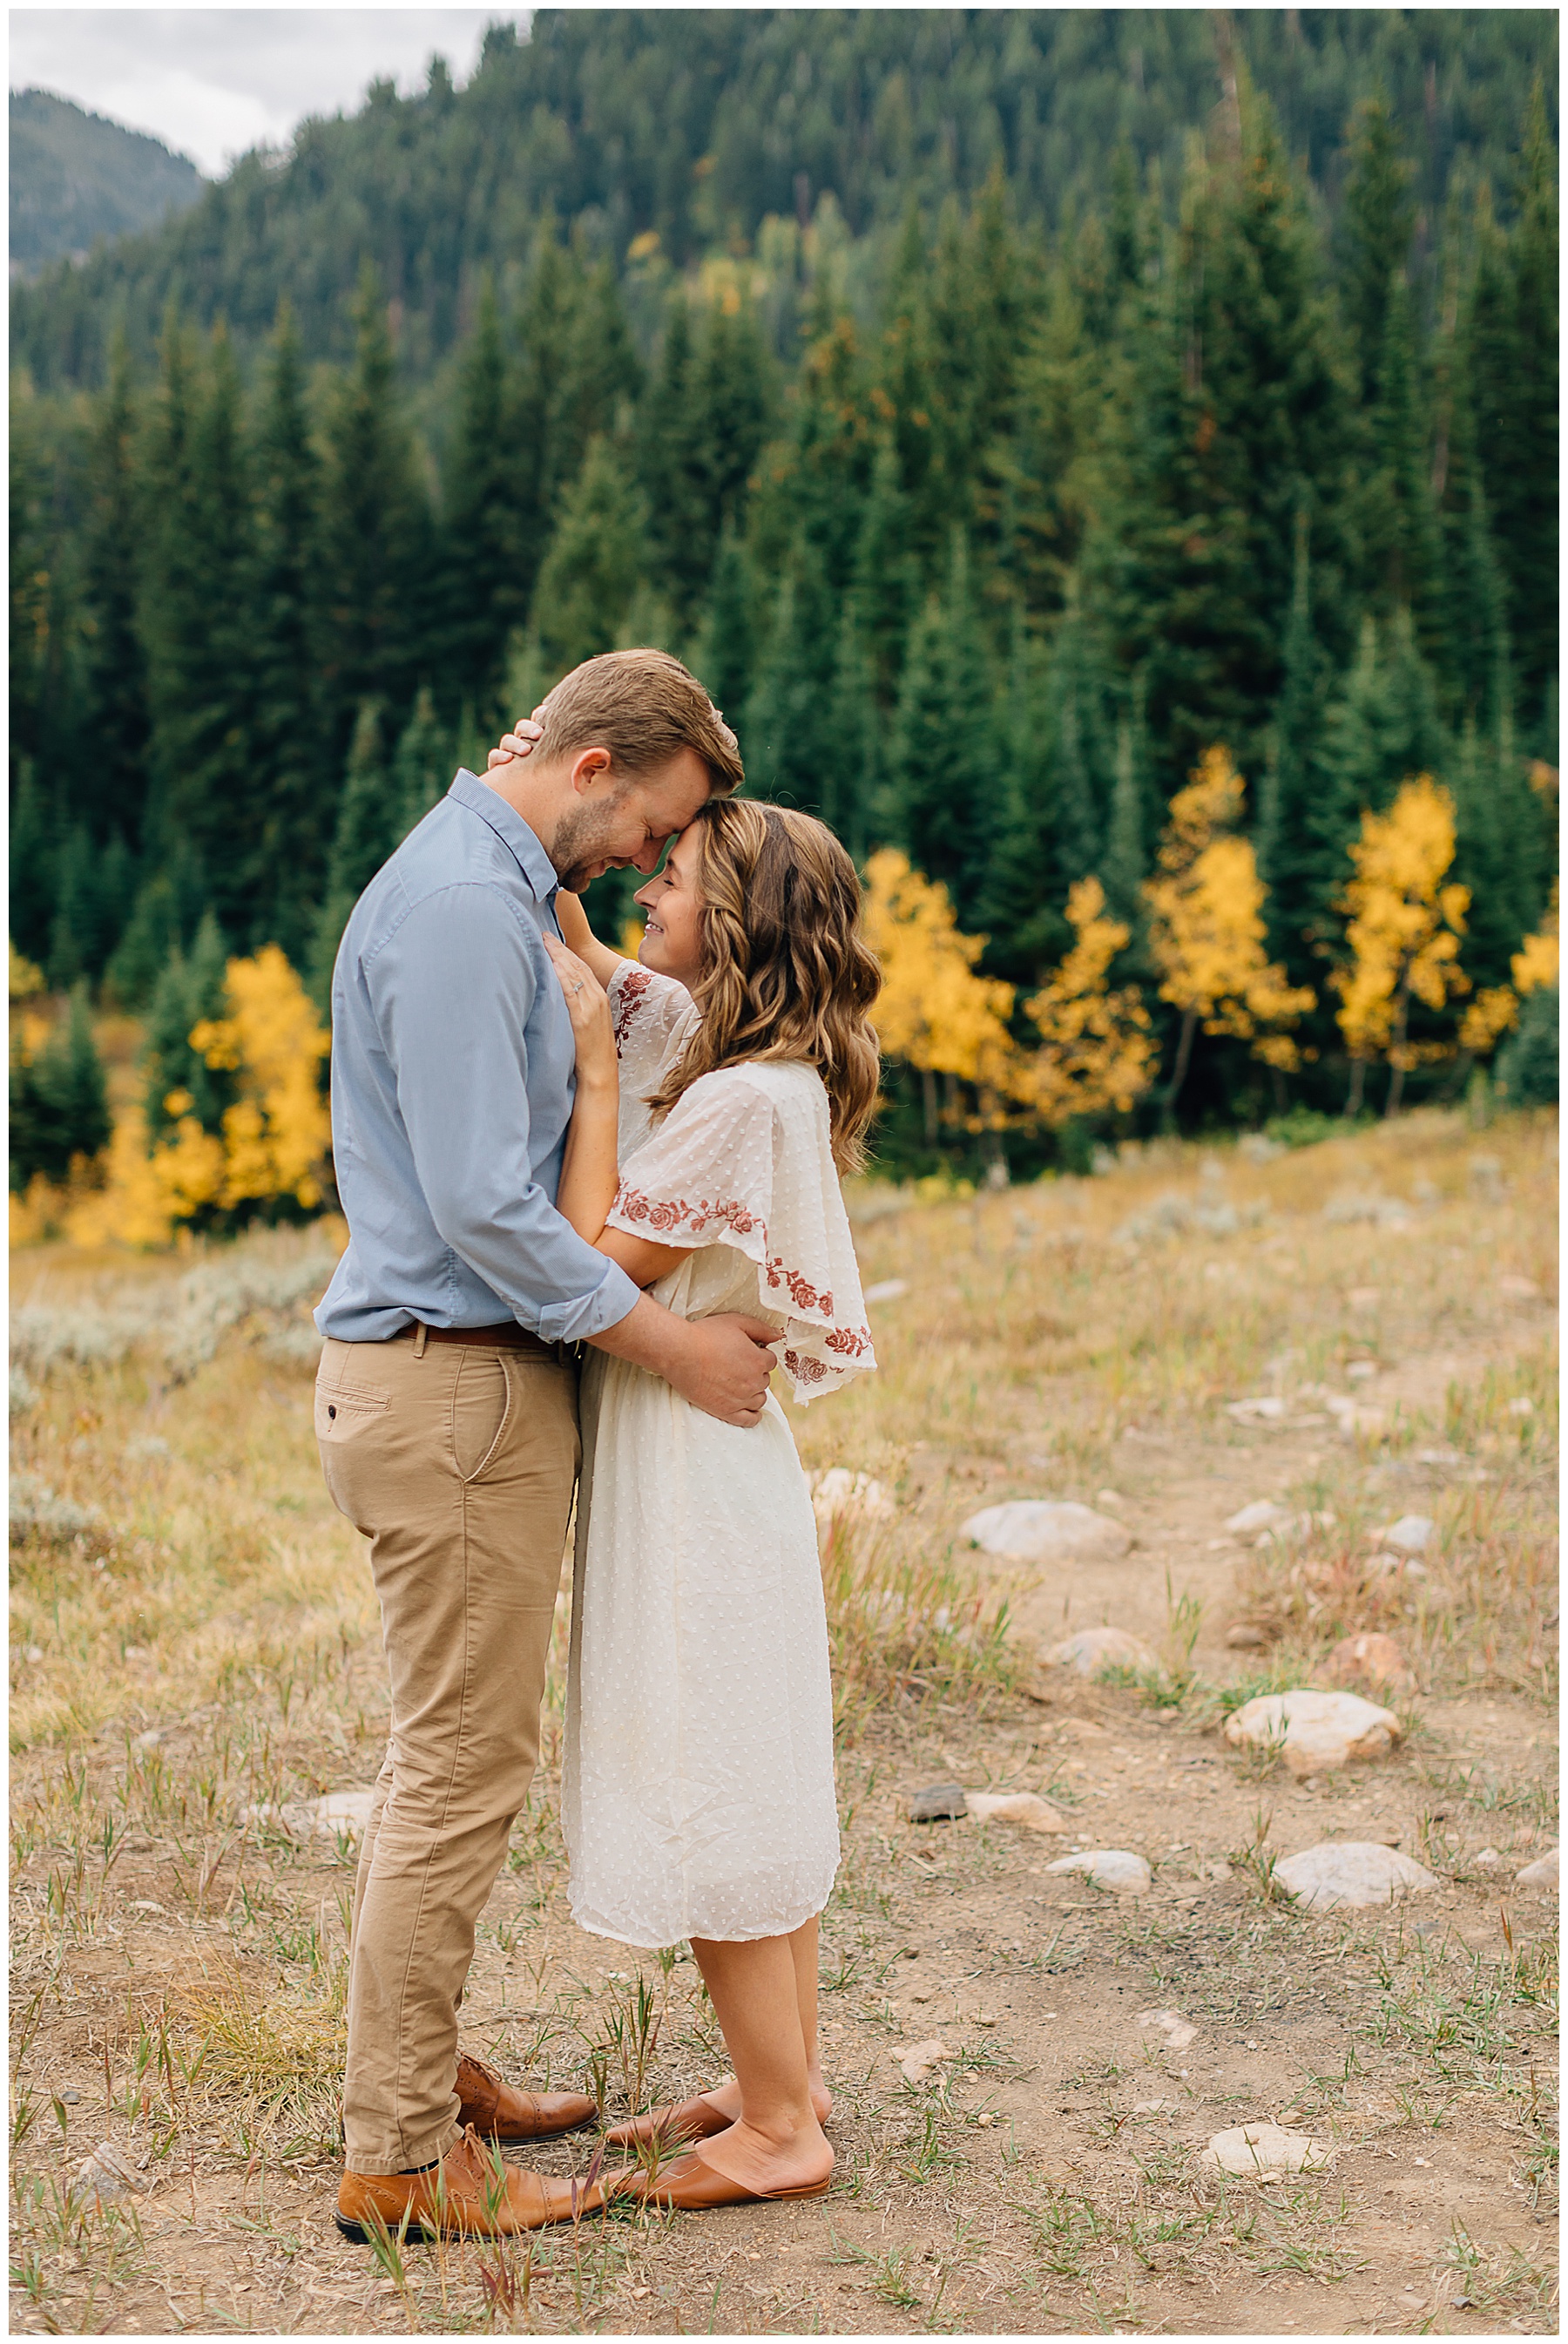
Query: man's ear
{"points": [[589, 767]]}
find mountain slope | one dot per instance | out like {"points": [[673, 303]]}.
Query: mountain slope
{"points": [[76, 178], [682, 131]]}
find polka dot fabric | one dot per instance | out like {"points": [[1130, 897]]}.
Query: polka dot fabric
{"points": [[698, 1787]]}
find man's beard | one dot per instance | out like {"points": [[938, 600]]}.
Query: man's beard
{"points": [[580, 841]]}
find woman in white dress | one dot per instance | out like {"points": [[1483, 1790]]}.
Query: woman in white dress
{"points": [[724, 1081]]}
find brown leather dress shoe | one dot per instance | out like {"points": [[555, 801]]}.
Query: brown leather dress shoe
{"points": [[678, 2120], [497, 2113], [470, 2194], [691, 2186]]}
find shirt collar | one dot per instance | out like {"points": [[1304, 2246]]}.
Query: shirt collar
{"points": [[509, 827]]}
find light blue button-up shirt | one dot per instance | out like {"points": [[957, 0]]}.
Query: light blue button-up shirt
{"points": [[453, 1072]]}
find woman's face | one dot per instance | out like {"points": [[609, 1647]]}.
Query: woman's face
{"points": [[672, 941]]}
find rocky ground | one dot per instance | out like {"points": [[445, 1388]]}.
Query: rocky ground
{"points": [[1021, 2114]]}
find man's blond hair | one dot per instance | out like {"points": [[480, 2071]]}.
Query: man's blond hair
{"points": [[645, 708]]}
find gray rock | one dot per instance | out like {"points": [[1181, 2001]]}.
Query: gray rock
{"points": [[1025, 1807], [108, 2176], [1258, 2152], [1315, 1731], [1262, 1408], [340, 1815], [1116, 1868], [1092, 1650], [1412, 1534], [1262, 1514], [944, 1803], [1542, 1874], [1351, 1871], [1039, 1530]]}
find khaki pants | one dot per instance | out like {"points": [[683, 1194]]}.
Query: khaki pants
{"points": [[457, 1463]]}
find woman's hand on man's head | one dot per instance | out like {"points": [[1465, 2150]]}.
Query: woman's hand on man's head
{"points": [[517, 743]]}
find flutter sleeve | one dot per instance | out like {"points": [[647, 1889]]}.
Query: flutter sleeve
{"points": [[653, 1017], [744, 1159]]}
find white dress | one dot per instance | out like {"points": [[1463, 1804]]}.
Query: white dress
{"points": [[697, 1795]]}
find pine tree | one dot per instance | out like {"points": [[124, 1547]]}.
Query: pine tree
{"points": [[787, 735], [367, 830], [1398, 518], [488, 507], [59, 1100], [943, 784], [93, 892], [200, 625], [1079, 755], [294, 751], [1024, 911], [422, 766], [1510, 337], [669, 466], [114, 788], [596, 558], [1288, 859], [727, 648], [733, 380], [853, 742], [1377, 223], [33, 865], [1234, 404], [165, 914], [177, 1080], [1125, 862], [886, 577], [375, 530]]}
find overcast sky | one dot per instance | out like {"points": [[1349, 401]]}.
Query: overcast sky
{"points": [[213, 82]]}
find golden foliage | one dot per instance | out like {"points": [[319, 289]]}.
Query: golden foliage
{"points": [[273, 1138], [1496, 1011], [933, 1011], [1206, 927], [1535, 962], [1492, 1014], [25, 980], [1096, 1050], [1404, 926]]}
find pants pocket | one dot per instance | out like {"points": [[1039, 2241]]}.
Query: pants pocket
{"points": [[481, 1407], [342, 1411]]}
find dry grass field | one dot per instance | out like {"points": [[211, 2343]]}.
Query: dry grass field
{"points": [[193, 1657]]}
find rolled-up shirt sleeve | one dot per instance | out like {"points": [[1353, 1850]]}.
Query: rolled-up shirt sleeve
{"points": [[451, 988]]}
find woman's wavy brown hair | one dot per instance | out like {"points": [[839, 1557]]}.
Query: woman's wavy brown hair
{"points": [[786, 971]]}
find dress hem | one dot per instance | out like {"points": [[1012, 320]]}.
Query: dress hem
{"points": [[715, 1937]]}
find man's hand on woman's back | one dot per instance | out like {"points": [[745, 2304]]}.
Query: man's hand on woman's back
{"points": [[721, 1365]]}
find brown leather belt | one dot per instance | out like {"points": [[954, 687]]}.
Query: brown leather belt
{"points": [[506, 1337]]}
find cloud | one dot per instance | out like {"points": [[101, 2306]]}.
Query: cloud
{"points": [[213, 82]]}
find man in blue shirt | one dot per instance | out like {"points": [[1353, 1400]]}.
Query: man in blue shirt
{"points": [[445, 1403]]}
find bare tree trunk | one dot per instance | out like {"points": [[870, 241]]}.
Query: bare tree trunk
{"points": [[1282, 1096], [1358, 1084], [1396, 1053], [928, 1103], [1183, 1060]]}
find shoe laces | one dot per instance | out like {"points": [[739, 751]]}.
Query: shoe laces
{"points": [[480, 2067]]}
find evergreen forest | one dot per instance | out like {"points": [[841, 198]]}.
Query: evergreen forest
{"points": [[1043, 432]]}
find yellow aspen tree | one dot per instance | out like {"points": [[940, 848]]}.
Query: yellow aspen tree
{"points": [[274, 1140], [1402, 927], [25, 980], [1495, 1009], [933, 1011], [1096, 1049], [1207, 931], [277, 1132]]}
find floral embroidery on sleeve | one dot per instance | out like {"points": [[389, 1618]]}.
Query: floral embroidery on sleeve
{"points": [[632, 992]]}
